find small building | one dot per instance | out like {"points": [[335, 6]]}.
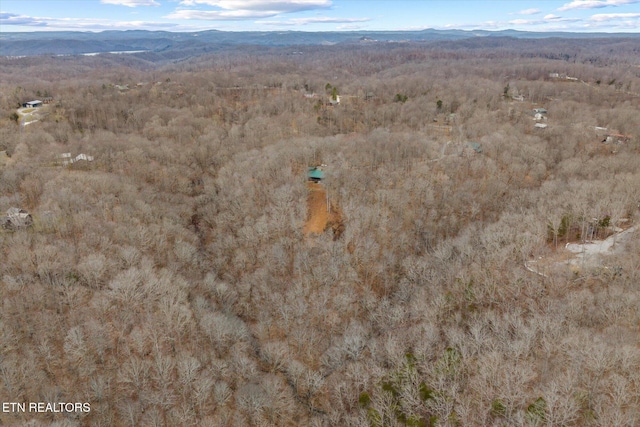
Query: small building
{"points": [[65, 159], [32, 104], [554, 75], [518, 98], [84, 157], [616, 138], [540, 111], [335, 101], [541, 125], [315, 174]]}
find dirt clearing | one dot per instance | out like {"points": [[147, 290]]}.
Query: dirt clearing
{"points": [[589, 254], [578, 256], [322, 213]]}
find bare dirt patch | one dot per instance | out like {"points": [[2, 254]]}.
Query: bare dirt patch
{"points": [[322, 213], [317, 215], [583, 256], [589, 254]]}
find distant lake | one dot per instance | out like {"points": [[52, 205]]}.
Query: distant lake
{"points": [[115, 52]]}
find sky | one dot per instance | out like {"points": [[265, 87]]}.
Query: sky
{"points": [[319, 15]]}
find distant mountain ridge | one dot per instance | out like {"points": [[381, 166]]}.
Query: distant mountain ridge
{"points": [[78, 43]]}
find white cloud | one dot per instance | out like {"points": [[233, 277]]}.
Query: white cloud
{"points": [[80, 24], [316, 20], [282, 6], [523, 22], [220, 15], [529, 12], [548, 19], [132, 3], [594, 4], [603, 17], [328, 20], [238, 10], [22, 20], [555, 18]]}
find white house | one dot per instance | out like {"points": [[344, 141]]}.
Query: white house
{"points": [[32, 104], [66, 159]]}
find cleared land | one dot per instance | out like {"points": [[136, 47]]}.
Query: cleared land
{"points": [[589, 254], [317, 212], [322, 213]]}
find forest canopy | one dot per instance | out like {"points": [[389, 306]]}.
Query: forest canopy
{"points": [[167, 278]]}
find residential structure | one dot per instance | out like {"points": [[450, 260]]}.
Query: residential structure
{"points": [[616, 138], [65, 158], [32, 104], [315, 174]]}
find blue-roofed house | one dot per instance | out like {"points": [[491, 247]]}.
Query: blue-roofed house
{"points": [[315, 174]]}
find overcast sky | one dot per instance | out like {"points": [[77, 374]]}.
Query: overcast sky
{"points": [[319, 15]]}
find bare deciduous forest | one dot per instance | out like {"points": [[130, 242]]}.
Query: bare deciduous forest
{"points": [[171, 281]]}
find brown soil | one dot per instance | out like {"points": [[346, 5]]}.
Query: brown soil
{"points": [[319, 218]]}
